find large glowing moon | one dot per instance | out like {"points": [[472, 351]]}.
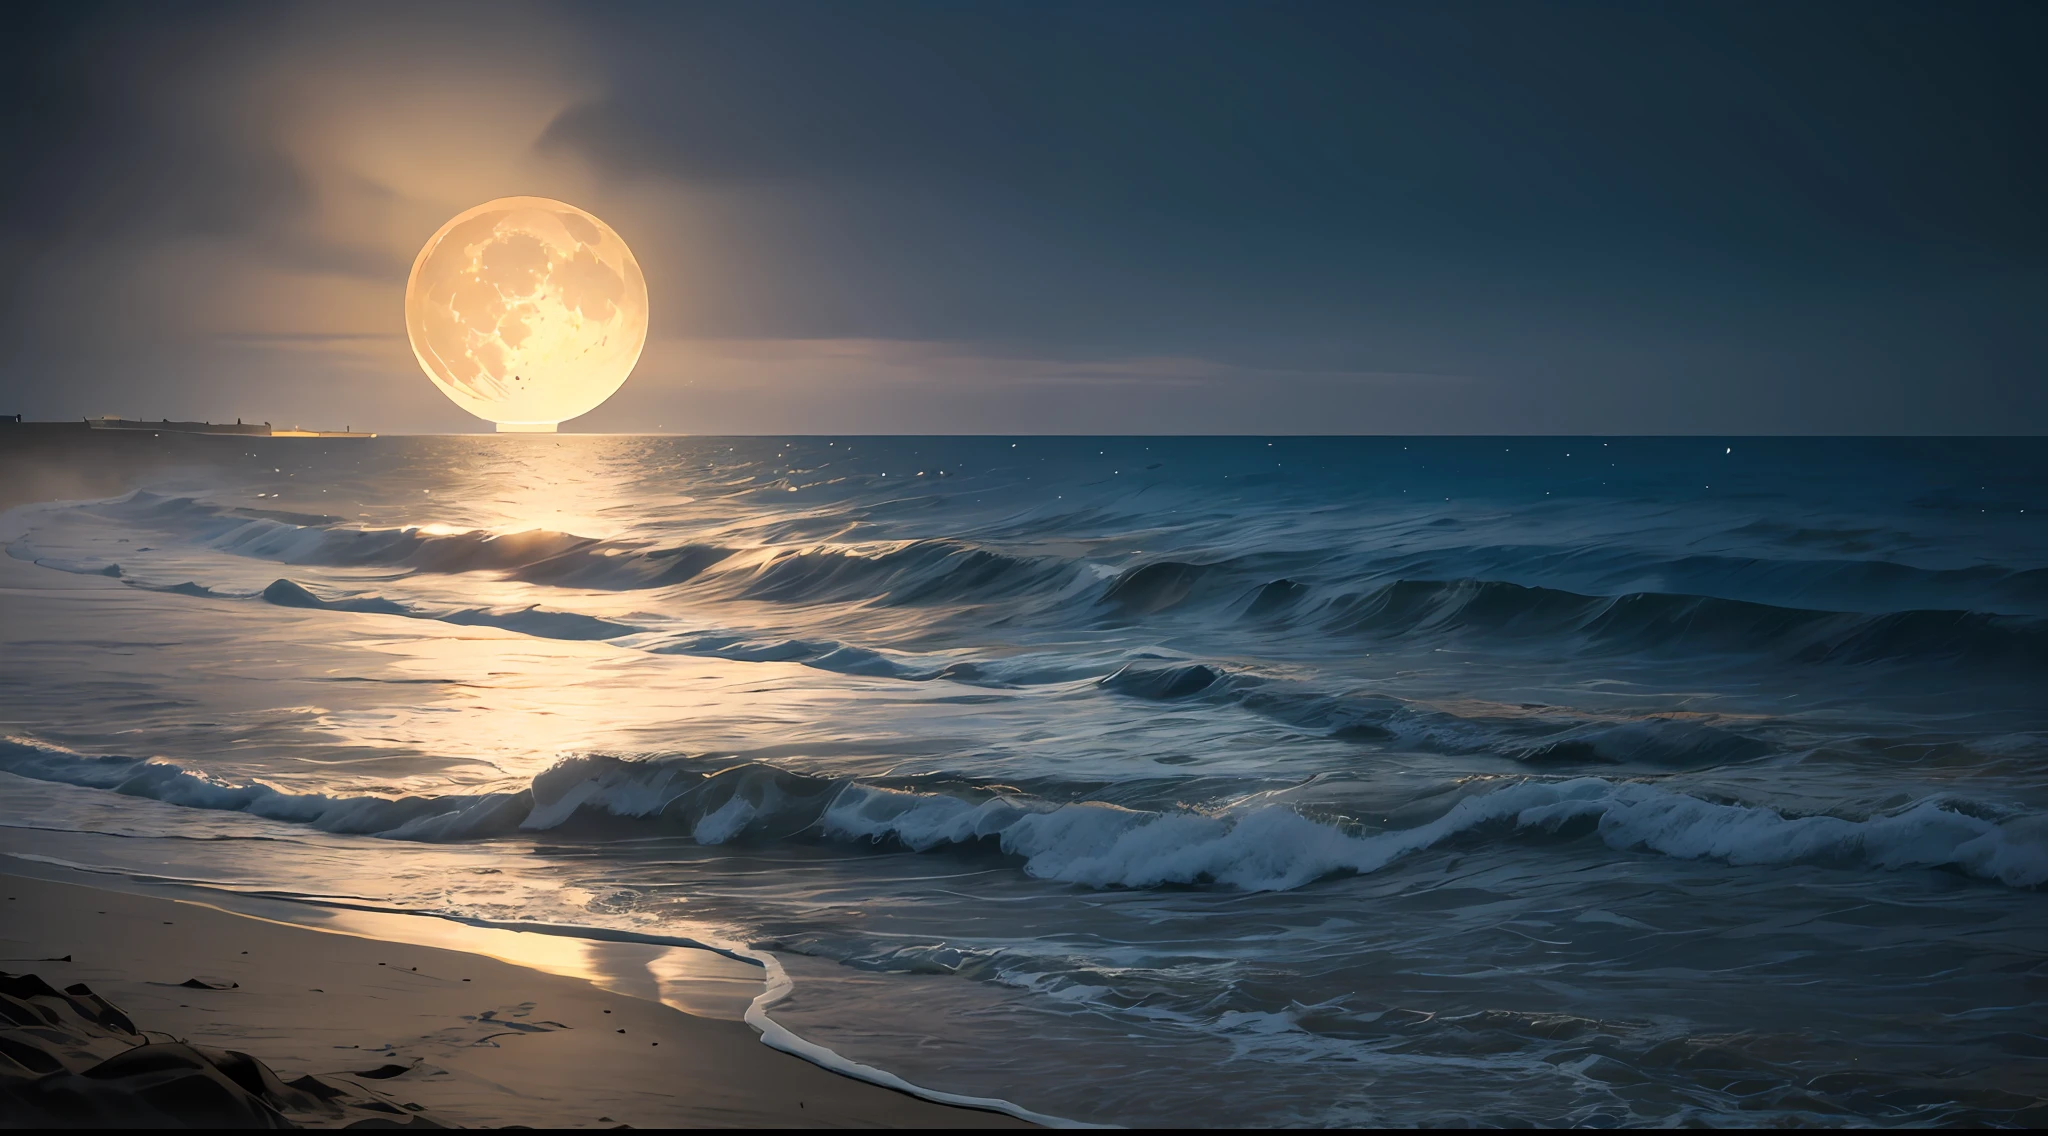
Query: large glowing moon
{"points": [[526, 311]]}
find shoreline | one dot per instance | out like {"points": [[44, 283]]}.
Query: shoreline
{"points": [[767, 1062], [485, 1037]]}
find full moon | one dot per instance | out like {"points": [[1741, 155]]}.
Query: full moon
{"points": [[526, 311]]}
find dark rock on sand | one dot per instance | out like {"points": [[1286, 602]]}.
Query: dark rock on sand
{"points": [[70, 1058]]}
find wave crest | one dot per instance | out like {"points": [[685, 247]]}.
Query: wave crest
{"points": [[1659, 622], [537, 556], [1265, 847]]}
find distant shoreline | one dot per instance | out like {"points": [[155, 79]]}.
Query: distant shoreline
{"points": [[237, 428]]}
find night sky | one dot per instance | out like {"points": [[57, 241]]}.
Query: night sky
{"points": [[869, 217]]}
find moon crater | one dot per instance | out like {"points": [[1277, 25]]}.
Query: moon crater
{"points": [[526, 311]]}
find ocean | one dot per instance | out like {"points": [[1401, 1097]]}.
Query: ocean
{"points": [[1146, 781]]}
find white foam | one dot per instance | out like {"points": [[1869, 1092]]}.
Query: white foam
{"points": [[412, 818], [778, 1036], [725, 822], [1272, 848], [778, 986], [1258, 847]]}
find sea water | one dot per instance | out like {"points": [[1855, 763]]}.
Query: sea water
{"points": [[1131, 780]]}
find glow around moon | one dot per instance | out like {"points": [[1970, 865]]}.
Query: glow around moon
{"points": [[526, 311]]}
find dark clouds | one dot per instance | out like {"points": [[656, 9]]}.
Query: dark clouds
{"points": [[1351, 216]]}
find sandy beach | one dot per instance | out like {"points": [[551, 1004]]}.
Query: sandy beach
{"points": [[1197, 566], [468, 1040]]}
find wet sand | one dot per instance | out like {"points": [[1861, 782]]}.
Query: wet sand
{"points": [[476, 1041]]}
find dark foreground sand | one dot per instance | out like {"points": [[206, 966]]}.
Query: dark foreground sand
{"points": [[406, 1033], [71, 1059]]}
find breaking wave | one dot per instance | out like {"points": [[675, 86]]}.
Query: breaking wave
{"points": [[527, 621], [925, 571], [1255, 847]]}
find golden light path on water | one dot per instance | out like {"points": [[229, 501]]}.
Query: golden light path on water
{"points": [[509, 705], [526, 311]]}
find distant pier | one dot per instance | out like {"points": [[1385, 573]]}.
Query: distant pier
{"points": [[238, 427], [13, 424]]}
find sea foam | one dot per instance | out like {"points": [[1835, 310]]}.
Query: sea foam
{"points": [[1263, 847]]}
